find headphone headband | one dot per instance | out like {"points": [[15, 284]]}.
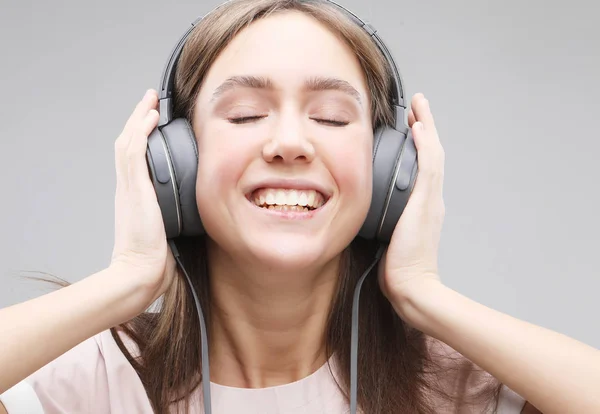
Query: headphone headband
{"points": [[168, 76]]}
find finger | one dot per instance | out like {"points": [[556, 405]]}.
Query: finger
{"points": [[138, 174], [422, 111], [411, 118], [149, 101], [430, 158], [122, 143]]}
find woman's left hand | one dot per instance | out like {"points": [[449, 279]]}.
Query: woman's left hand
{"points": [[553, 372], [411, 259]]}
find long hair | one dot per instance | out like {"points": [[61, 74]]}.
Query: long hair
{"points": [[395, 369]]}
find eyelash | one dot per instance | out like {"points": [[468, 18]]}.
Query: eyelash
{"points": [[246, 119]]}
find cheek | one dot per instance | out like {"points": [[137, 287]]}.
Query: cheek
{"points": [[221, 163], [352, 170]]}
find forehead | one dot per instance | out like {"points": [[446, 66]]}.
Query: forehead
{"points": [[287, 47]]}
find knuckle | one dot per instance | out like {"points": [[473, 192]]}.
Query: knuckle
{"points": [[442, 154], [132, 154], [437, 213], [439, 219], [133, 150], [442, 215], [431, 173], [139, 105], [120, 144]]}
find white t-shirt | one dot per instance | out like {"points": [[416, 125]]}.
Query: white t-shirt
{"points": [[95, 377]]}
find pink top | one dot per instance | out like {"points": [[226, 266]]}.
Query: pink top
{"points": [[95, 377]]}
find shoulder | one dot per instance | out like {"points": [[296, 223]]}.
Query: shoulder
{"points": [[94, 376], [457, 377]]}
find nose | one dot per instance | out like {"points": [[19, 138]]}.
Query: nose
{"points": [[289, 144]]}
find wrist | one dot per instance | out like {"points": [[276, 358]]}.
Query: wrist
{"points": [[413, 302], [117, 293]]}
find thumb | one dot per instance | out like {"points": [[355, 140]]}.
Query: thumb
{"points": [[381, 273]]}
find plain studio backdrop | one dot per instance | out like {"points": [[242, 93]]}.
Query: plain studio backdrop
{"points": [[513, 86]]}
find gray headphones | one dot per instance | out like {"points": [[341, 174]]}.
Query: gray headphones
{"points": [[172, 158]]}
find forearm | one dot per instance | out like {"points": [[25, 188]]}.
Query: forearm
{"points": [[35, 332], [555, 373]]}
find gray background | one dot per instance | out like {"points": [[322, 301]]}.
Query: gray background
{"points": [[513, 86]]}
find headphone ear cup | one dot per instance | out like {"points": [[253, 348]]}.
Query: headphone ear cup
{"points": [[394, 174], [173, 163], [371, 223]]}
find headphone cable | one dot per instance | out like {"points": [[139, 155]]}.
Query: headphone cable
{"points": [[354, 340], [203, 337]]}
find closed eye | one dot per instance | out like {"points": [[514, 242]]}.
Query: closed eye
{"points": [[331, 122], [246, 119]]}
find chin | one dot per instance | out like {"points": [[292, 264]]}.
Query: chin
{"points": [[291, 252]]}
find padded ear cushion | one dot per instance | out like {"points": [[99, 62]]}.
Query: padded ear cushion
{"points": [[394, 172], [385, 153], [172, 158], [181, 143]]}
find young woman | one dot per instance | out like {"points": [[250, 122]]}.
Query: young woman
{"points": [[283, 98]]}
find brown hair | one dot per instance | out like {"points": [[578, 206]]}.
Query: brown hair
{"points": [[396, 373]]}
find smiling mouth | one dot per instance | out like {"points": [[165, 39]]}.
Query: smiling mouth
{"points": [[287, 199]]}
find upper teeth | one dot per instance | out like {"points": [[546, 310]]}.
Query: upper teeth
{"points": [[281, 197]]}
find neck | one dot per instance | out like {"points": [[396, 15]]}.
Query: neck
{"points": [[268, 326]]}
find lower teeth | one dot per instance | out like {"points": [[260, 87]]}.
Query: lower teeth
{"points": [[288, 208]]}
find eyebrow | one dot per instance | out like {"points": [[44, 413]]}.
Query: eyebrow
{"points": [[313, 84]]}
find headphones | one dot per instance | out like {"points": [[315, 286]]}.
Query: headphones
{"points": [[172, 157]]}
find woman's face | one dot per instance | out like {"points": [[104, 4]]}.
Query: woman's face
{"points": [[285, 138]]}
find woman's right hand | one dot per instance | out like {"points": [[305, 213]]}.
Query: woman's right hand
{"points": [[140, 247], [142, 268]]}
